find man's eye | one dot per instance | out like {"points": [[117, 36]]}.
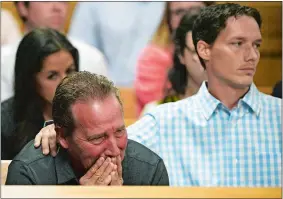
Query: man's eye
{"points": [[97, 140], [257, 45], [120, 133], [237, 43]]}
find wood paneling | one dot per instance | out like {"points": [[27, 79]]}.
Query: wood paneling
{"points": [[271, 47], [128, 98], [137, 192], [269, 71], [4, 170]]}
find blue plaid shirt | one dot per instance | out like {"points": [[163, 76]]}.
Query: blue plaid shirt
{"points": [[205, 144]]}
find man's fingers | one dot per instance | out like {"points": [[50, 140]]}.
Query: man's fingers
{"points": [[114, 178], [103, 171], [37, 139], [43, 138], [94, 168], [119, 166], [114, 160], [107, 181], [105, 174], [53, 148], [45, 145], [53, 143]]}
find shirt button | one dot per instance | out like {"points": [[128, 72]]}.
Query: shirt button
{"points": [[235, 161]]}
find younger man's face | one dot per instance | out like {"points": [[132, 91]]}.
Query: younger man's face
{"points": [[235, 53]]}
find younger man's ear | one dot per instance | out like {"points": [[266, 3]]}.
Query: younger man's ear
{"points": [[203, 50]]}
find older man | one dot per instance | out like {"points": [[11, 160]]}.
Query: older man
{"points": [[94, 148]]}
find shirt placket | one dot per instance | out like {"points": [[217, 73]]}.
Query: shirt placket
{"points": [[234, 147]]}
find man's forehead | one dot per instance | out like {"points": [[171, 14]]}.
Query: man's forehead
{"points": [[96, 110], [241, 26], [242, 20]]}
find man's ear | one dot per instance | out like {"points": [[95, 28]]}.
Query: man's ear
{"points": [[203, 49], [61, 137], [22, 9]]}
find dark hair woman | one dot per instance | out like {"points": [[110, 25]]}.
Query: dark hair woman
{"points": [[44, 57]]}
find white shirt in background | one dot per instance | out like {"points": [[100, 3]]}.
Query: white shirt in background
{"points": [[10, 31]]}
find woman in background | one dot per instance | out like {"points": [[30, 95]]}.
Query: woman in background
{"points": [[44, 57], [187, 73], [157, 58]]}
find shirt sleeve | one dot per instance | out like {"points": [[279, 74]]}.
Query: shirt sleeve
{"points": [[161, 175], [10, 31], [84, 23], [146, 132], [19, 174]]}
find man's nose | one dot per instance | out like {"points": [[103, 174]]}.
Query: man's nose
{"points": [[112, 148], [251, 54]]}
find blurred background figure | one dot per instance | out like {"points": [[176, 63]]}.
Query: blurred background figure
{"points": [[277, 90], [157, 57], [44, 57], [10, 31], [187, 73], [102, 25], [120, 30], [52, 15]]}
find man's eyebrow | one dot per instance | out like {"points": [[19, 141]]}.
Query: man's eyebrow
{"points": [[121, 128], [244, 39], [237, 38], [258, 40]]}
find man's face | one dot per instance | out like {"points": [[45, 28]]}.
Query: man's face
{"points": [[178, 9], [51, 14], [99, 131], [235, 53]]}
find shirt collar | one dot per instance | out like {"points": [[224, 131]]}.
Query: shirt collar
{"points": [[208, 103], [64, 170], [252, 99], [205, 101]]}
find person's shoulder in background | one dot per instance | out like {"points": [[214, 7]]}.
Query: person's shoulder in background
{"points": [[8, 57], [10, 31], [91, 59], [277, 90]]}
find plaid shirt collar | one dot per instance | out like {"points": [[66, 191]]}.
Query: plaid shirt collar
{"points": [[208, 104]]}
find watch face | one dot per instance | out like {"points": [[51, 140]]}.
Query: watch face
{"points": [[48, 122]]}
